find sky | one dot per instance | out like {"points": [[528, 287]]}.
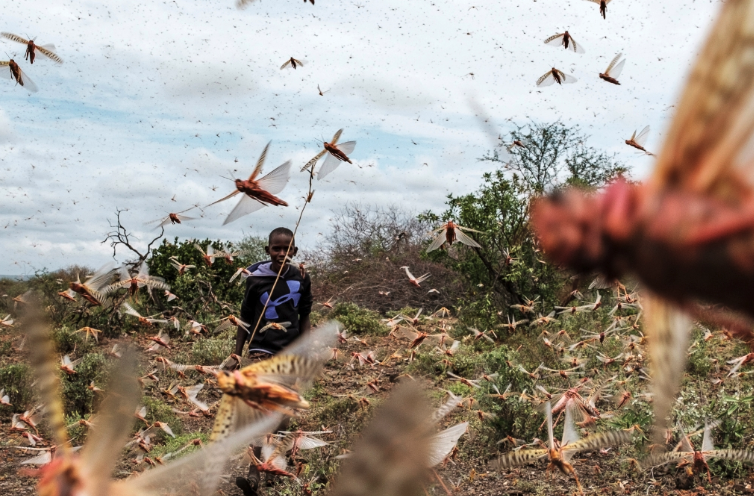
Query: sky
{"points": [[158, 103]]}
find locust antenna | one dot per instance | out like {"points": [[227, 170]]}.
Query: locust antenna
{"points": [[230, 173]]}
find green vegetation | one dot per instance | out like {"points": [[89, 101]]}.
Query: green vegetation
{"points": [[66, 341], [16, 379], [160, 411], [212, 351], [358, 320], [508, 267], [202, 290], [78, 397]]}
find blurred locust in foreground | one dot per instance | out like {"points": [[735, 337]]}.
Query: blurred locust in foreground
{"points": [[65, 472], [688, 232]]}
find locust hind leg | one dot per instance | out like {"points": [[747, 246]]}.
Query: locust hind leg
{"points": [[568, 469], [578, 483]]}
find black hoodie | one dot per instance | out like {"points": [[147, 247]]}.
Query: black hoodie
{"points": [[291, 301]]}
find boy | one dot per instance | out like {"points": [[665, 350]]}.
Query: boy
{"points": [[291, 302]]}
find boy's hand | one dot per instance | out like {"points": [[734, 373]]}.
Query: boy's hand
{"points": [[232, 366], [302, 269]]}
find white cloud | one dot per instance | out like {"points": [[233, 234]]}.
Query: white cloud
{"points": [[161, 99]]}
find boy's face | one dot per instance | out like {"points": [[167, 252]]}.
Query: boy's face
{"points": [[277, 250]]}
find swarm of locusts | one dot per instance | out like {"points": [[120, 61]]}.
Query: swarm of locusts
{"points": [[686, 234]]}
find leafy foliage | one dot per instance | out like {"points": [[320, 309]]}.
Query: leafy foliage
{"points": [[16, 379], [66, 342], [207, 288], [509, 265], [159, 411], [554, 156], [76, 393], [212, 351], [358, 320]]}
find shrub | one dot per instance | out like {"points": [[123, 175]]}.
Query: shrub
{"points": [[77, 396], [361, 258], [212, 351], [358, 320], [16, 380], [76, 432], [554, 156], [201, 290], [173, 444], [159, 411], [6, 347], [66, 342]]}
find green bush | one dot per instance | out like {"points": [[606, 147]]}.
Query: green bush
{"points": [[16, 380], [76, 432], [507, 264], [66, 342], [159, 411], [358, 320], [212, 351], [6, 347], [198, 288], [77, 396], [173, 444]]}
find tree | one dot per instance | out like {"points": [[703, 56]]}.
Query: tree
{"points": [[362, 230], [550, 156], [509, 265]]}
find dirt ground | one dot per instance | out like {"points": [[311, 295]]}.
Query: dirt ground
{"points": [[342, 403]]}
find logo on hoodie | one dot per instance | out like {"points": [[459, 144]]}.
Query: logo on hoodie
{"points": [[294, 294]]}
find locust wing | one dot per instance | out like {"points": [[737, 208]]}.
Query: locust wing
{"points": [[465, 239], [612, 64], [641, 138], [663, 458], [599, 440], [114, 421], [332, 162], [15, 37], [546, 79], [438, 241], [275, 181], [47, 51], [245, 206], [706, 150], [198, 473], [555, 40], [516, 458], [26, 82], [295, 368], [667, 329], [391, 458], [336, 136], [442, 443], [44, 363], [313, 161], [260, 163]]}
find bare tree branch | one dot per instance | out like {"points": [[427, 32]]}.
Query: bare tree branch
{"points": [[120, 236]]}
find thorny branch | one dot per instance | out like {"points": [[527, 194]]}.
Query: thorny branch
{"points": [[120, 236]]}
